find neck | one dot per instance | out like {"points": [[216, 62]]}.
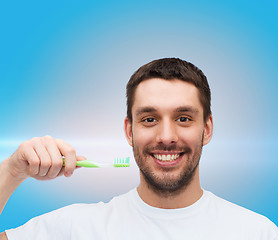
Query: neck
{"points": [[183, 197]]}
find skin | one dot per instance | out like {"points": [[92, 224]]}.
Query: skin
{"points": [[168, 120], [40, 158]]}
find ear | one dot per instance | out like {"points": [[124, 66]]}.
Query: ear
{"points": [[128, 131], [208, 130]]}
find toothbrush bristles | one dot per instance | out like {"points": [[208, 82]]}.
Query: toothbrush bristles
{"points": [[121, 162]]}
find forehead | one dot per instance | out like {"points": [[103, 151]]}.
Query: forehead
{"points": [[166, 94]]}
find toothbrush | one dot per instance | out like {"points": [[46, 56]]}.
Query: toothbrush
{"points": [[118, 162]]}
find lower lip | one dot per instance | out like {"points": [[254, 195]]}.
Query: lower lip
{"points": [[168, 163]]}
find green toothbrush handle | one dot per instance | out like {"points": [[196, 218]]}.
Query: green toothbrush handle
{"points": [[84, 163]]}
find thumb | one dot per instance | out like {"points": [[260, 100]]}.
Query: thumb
{"points": [[80, 158]]}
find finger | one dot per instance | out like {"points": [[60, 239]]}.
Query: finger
{"points": [[55, 155], [80, 158], [34, 163], [45, 160], [70, 156], [61, 173], [27, 154]]}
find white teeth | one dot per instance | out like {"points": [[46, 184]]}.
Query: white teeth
{"points": [[169, 157]]}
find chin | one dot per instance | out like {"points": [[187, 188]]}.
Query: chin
{"points": [[168, 183]]}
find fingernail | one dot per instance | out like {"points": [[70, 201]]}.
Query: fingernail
{"points": [[68, 174]]}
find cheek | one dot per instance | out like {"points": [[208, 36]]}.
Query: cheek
{"points": [[192, 137], [142, 136]]}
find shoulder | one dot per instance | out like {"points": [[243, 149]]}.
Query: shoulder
{"points": [[81, 219], [234, 209], [235, 214], [88, 210]]}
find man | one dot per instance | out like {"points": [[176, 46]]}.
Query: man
{"points": [[168, 122]]}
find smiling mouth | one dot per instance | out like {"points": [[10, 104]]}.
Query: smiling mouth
{"points": [[166, 157]]}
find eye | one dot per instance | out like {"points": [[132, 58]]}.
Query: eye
{"points": [[149, 120], [183, 119]]}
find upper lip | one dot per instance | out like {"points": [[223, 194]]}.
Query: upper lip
{"points": [[166, 152]]}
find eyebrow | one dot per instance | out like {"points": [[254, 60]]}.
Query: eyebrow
{"points": [[181, 109], [187, 109], [147, 109]]}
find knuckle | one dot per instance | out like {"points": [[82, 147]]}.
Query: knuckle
{"points": [[24, 145], [71, 151], [47, 138], [58, 140], [24, 148], [35, 140]]}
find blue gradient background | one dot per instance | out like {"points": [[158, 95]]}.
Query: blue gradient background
{"points": [[63, 71]]}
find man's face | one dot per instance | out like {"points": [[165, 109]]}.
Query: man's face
{"points": [[167, 132]]}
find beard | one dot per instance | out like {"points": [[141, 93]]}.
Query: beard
{"points": [[164, 182]]}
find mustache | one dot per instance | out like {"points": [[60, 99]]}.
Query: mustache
{"points": [[163, 147]]}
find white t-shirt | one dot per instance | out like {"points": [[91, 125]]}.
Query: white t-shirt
{"points": [[128, 217]]}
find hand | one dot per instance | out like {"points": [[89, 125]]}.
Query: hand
{"points": [[41, 158]]}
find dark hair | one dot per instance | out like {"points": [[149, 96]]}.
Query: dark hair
{"points": [[170, 69]]}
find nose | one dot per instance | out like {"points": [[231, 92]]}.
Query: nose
{"points": [[166, 133]]}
